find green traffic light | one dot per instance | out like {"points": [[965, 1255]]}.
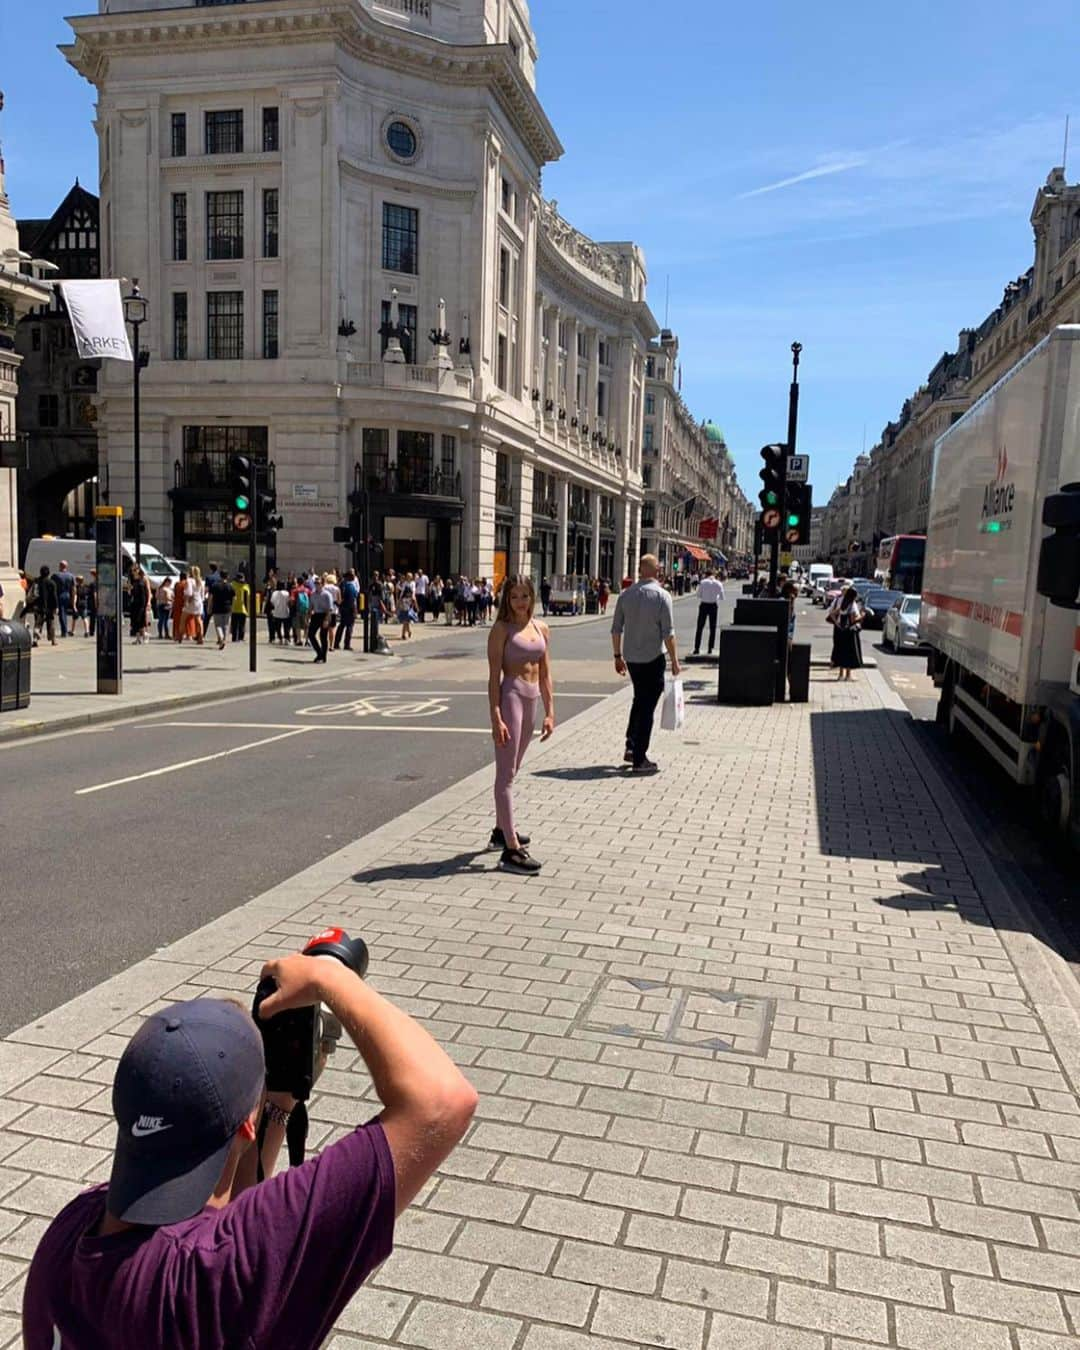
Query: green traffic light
{"points": [[241, 502], [771, 499], [793, 520]]}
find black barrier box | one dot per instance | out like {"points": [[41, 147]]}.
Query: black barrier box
{"points": [[777, 615], [747, 665], [798, 672]]}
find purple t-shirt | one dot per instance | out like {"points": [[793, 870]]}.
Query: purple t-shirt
{"points": [[273, 1268]]}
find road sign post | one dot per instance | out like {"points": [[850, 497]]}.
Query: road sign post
{"points": [[108, 558]]}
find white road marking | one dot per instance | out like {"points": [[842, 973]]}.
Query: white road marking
{"points": [[378, 705], [189, 763], [337, 726]]}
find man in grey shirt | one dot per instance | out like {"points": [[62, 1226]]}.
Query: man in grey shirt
{"points": [[642, 627]]}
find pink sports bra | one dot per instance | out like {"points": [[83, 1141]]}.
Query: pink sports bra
{"points": [[520, 650]]}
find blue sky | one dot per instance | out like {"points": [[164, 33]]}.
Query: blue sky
{"points": [[856, 176]]}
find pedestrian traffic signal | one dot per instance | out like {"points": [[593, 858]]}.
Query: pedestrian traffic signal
{"points": [[797, 513], [269, 520], [772, 476]]}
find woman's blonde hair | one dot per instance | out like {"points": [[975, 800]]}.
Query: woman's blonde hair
{"points": [[504, 611]]}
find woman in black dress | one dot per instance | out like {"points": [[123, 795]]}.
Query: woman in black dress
{"points": [[845, 617]]}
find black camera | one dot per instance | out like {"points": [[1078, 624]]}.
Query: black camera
{"points": [[292, 1039]]}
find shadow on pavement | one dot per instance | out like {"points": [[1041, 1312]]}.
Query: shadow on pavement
{"points": [[584, 774], [422, 871], [873, 802]]}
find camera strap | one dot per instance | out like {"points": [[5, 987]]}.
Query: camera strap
{"points": [[296, 1133]]}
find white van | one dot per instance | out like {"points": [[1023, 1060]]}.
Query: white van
{"points": [[818, 576], [80, 555]]}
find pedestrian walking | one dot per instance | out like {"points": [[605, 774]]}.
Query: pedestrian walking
{"points": [[241, 607], [603, 595], [322, 609], [422, 585], [519, 672], [300, 611], [42, 600], [82, 606], [163, 603], [545, 595], [845, 614], [472, 602], [350, 600], [710, 593], [279, 613], [178, 607], [406, 602], [140, 605], [222, 595], [643, 625], [92, 601], [435, 598], [194, 605], [449, 596], [789, 591], [64, 580]]}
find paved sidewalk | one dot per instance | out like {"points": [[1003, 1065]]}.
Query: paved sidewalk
{"points": [[768, 1059]]}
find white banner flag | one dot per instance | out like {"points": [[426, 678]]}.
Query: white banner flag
{"points": [[97, 317]]}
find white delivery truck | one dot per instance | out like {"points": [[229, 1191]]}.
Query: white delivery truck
{"points": [[1000, 592]]}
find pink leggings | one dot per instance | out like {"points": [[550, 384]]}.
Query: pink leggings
{"points": [[517, 703]]}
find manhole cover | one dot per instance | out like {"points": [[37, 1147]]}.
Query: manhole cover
{"points": [[680, 1014]]}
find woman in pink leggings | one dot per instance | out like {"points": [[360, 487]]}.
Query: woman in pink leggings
{"points": [[519, 672]]}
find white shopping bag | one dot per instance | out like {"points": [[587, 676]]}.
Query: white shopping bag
{"points": [[673, 712]]}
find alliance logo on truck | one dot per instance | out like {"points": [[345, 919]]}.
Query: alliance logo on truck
{"points": [[999, 498]]}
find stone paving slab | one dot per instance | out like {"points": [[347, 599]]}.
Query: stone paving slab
{"points": [[767, 1055]]}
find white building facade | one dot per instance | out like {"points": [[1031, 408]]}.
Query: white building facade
{"points": [[306, 190]]}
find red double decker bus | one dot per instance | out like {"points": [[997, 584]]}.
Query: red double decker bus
{"points": [[900, 562]]}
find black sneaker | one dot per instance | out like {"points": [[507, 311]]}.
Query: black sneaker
{"points": [[498, 839], [518, 860], [646, 766]]}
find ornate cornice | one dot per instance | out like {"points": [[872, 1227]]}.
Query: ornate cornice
{"points": [[102, 36]]}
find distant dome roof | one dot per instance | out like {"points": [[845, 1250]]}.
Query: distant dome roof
{"points": [[713, 433]]}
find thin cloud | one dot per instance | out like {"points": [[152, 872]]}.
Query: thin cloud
{"points": [[822, 171]]}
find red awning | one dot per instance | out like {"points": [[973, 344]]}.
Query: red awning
{"points": [[698, 553]]}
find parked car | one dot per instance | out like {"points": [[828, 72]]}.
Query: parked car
{"points": [[900, 630], [876, 604], [834, 589]]}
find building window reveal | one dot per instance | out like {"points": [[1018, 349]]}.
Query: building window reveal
{"points": [[270, 325], [650, 404], [500, 361], [270, 129], [224, 225], [224, 325], [401, 226], [504, 277], [225, 132], [180, 326], [179, 135], [401, 139], [270, 222], [48, 410], [407, 318], [179, 226]]}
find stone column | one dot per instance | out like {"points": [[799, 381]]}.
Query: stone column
{"points": [[622, 539], [562, 506], [521, 479], [478, 527], [592, 371], [594, 546], [635, 535], [571, 370]]}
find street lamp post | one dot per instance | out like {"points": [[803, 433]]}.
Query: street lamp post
{"points": [[135, 309]]}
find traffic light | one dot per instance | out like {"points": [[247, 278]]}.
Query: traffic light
{"points": [[241, 491], [357, 523], [772, 477], [797, 513], [268, 519]]}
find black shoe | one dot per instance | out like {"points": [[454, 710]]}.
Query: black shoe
{"points": [[697, 651], [498, 839], [628, 757], [646, 766], [517, 860]]}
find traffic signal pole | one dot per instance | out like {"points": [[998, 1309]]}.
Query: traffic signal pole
{"points": [[253, 646]]}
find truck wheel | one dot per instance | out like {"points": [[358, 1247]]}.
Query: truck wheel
{"points": [[1054, 792]]}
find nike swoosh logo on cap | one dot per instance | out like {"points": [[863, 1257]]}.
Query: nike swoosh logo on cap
{"points": [[152, 1126]]}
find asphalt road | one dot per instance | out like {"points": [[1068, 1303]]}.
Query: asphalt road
{"points": [[135, 833]]}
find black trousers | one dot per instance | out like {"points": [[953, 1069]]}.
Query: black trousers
{"points": [[318, 635], [238, 627], [647, 677], [705, 611], [346, 621]]}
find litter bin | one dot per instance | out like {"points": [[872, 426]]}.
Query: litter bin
{"points": [[15, 646], [799, 672]]}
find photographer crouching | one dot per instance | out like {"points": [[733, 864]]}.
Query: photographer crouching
{"points": [[186, 1249]]}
